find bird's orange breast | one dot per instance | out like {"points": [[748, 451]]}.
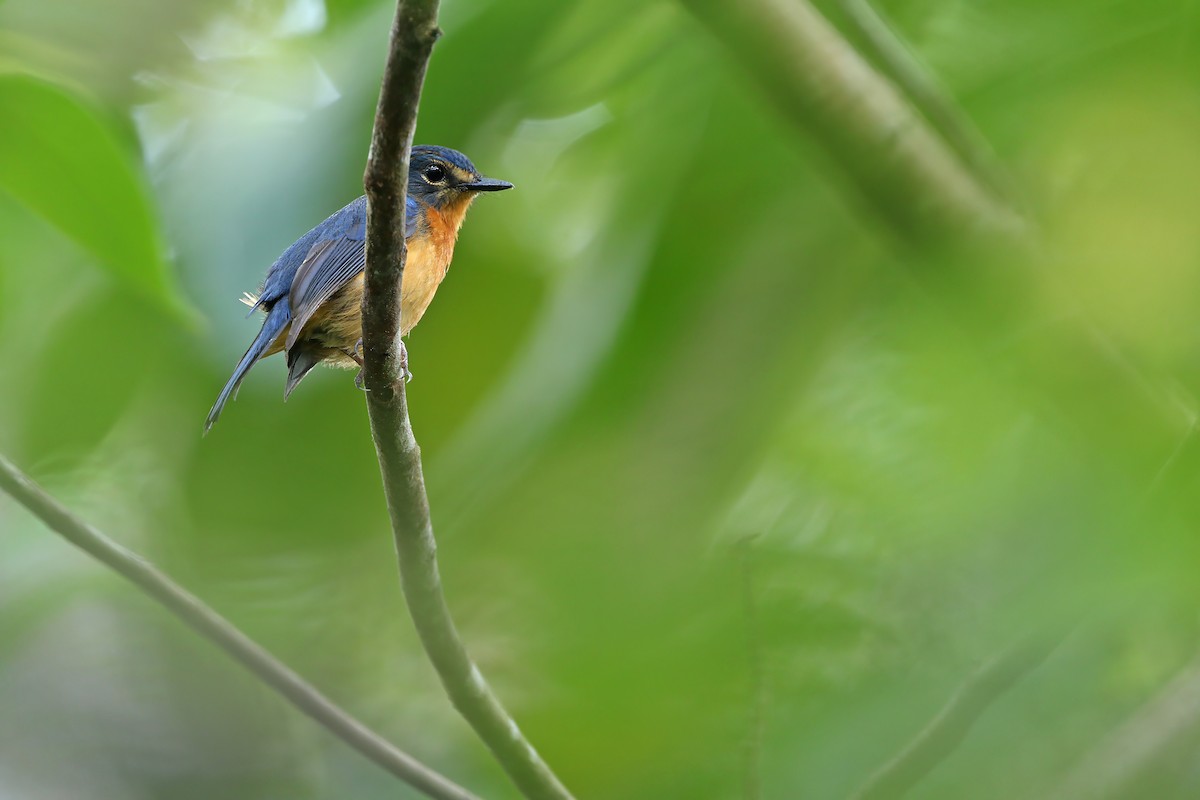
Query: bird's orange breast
{"points": [[429, 256], [338, 323]]}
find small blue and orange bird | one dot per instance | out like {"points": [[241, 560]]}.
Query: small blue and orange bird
{"points": [[312, 294]]}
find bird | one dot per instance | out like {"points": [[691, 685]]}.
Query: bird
{"points": [[312, 294]]}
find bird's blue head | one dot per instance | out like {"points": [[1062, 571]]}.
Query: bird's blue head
{"points": [[445, 178]]}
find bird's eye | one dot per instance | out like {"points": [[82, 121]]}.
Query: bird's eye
{"points": [[434, 174]]}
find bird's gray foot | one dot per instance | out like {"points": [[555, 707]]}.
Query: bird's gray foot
{"points": [[355, 353], [408, 376]]}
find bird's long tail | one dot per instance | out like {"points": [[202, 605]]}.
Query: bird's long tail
{"points": [[277, 319]]}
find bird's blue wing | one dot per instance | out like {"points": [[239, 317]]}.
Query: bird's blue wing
{"points": [[329, 265], [334, 260], [282, 273]]}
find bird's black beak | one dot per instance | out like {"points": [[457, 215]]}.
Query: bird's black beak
{"points": [[485, 185]]}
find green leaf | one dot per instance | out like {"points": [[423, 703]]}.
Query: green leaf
{"points": [[59, 157]]}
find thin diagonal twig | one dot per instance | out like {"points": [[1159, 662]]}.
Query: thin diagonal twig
{"points": [[413, 35], [947, 730], [218, 630]]}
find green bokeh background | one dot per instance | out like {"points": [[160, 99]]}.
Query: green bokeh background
{"points": [[731, 485]]}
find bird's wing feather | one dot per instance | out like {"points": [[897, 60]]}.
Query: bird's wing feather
{"points": [[328, 266], [331, 264], [334, 260]]}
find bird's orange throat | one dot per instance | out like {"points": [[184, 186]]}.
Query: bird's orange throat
{"points": [[429, 255], [445, 222]]}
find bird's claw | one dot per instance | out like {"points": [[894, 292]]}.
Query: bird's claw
{"points": [[356, 354], [404, 373]]}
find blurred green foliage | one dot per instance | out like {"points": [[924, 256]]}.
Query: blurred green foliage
{"points": [[51, 142], [699, 434]]}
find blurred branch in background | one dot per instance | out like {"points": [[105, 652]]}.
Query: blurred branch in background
{"points": [[1134, 748], [895, 159], [947, 730], [930, 96], [912, 179], [209, 624], [414, 32]]}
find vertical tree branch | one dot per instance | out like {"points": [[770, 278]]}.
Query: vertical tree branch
{"points": [[218, 630], [414, 32]]}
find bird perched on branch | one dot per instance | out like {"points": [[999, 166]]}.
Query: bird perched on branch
{"points": [[312, 294]]}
